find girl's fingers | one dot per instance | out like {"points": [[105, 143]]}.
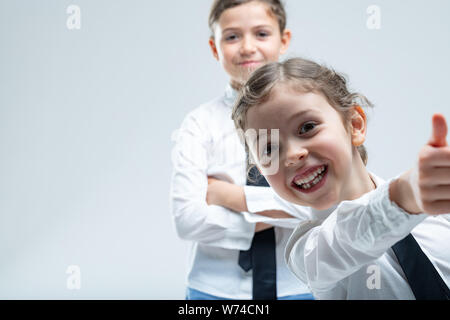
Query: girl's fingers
{"points": [[437, 157], [437, 207], [434, 157], [434, 176], [436, 193]]}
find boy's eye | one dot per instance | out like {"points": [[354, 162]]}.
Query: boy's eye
{"points": [[263, 34], [306, 127], [231, 37]]}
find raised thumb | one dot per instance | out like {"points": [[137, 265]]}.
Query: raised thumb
{"points": [[438, 137]]}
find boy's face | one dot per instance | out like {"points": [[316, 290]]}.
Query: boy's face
{"points": [[319, 165], [246, 37]]}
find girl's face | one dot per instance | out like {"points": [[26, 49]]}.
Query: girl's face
{"points": [[246, 37], [319, 165]]}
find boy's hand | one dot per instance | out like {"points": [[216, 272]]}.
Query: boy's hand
{"points": [[213, 193], [231, 196], [225, 194], [261, 226], [426, 188]]}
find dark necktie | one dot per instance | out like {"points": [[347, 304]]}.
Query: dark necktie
{"points": [[261, 255], [424, 280]]}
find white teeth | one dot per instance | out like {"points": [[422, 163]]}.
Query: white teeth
{"points": [[311, 176], [311, 180]]}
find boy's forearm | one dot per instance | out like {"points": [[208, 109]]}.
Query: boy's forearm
{"points": [[234, 199]]}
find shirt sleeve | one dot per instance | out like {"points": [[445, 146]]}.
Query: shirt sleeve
{"points": [[194, 219], [322, 253]]}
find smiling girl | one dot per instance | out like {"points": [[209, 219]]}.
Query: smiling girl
{"points": [[359, 223]]}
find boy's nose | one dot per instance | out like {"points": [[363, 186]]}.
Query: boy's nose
{"points": [[295, 155], [247, 46]]}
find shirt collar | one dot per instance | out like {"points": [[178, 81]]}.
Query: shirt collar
{"points": [[230, 96]]}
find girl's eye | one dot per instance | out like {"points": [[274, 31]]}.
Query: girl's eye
{"points": [[263, 34], [306, 127], [268, 150], [268, 154]]}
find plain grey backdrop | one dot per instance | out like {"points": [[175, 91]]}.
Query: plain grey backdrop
{"points": [[86, 118]]}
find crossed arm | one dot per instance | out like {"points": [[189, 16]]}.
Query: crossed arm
{"points": [[232, 196]]}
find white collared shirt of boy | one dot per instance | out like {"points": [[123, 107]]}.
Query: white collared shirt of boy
{"points": [[345, 252], [207, 144]]}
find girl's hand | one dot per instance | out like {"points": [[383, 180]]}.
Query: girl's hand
{"points": [[426, 188]]}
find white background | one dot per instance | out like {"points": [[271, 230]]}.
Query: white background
{"points": [[86, 118]]}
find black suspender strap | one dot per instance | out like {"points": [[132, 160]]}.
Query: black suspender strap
{"points": [[424, 280]]}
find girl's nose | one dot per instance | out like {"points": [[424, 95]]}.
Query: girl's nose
{"points": [[295, 155]]}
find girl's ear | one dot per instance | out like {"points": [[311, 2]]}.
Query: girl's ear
{"points": [[285, 40], [212, 45], [358, 126]]}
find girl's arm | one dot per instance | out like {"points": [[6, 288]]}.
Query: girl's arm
{"points": [[324, 252], [358, 232]]}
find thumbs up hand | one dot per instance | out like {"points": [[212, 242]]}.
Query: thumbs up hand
{"points": [[426, 187]]}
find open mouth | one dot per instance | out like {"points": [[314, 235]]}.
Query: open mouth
{"points": [[313, 182]]}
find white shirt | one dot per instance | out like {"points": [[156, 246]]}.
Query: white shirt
{"points": [[207, 144], [345, 252]]}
